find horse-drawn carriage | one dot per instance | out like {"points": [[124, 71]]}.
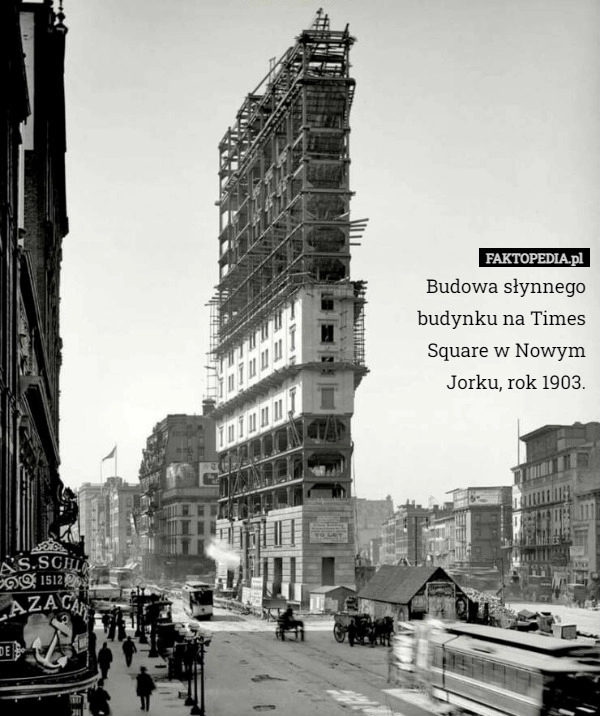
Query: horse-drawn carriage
{"points": [[286, 623], [362, 629]]}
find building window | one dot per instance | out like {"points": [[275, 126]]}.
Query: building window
{"points": [[292, 309], [185, 510], [230, 433], [277, 321], [293, 338], [200, 546], [264, 331], [293, 533], [241, 426], [231, 383], [252, 423], [220, 387], [264, 359], [326, 302], [264, 417], [252, 368], [252, 341], [221, 436], [241, 374], [292, 570], [200, 529], [326, 359], [185, 527], [278, 409], [292, 400], [326, 332], [277, 539], [231, 357], [278, 350], [185, 547], [327, 398]]}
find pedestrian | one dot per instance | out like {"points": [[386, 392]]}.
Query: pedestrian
{"points": [[121, 630], [98, 699], [129, 649], [145, 686], [105, 658], [106, 621], [112, 627]]}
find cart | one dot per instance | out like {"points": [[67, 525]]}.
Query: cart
{"points": [[343, 622]]}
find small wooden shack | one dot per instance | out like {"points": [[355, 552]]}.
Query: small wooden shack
{"points": [[406, 593], [330, 599]]}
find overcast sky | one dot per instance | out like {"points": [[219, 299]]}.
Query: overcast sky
{"points": [[475, 123]]}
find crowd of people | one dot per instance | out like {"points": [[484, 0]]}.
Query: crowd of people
{"points": [[99, 698]]}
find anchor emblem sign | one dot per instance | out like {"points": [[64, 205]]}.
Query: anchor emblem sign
{"points": [[62, 628]]}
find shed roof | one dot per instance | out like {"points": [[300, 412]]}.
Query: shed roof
{"points": [[327, 589], [398, 585]]}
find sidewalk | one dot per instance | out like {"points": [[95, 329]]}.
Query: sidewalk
{"points": [[121, 683]]}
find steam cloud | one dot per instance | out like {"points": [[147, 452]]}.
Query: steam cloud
{"points": [[223, 554]]}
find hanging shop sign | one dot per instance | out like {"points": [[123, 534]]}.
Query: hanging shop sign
{"points": [[44, 622]]}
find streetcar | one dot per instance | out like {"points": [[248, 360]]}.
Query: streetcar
{"points": [[490, 671], [197, 599], [99, 574], [123, 577]]}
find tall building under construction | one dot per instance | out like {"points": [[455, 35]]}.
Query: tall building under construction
{"points": [[288, 325]]}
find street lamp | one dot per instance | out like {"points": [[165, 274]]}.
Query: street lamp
{"points": [[201, 643], [138, 606], [141, 617], [189, 658]]}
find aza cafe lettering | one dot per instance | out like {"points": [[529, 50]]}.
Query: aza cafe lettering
{"points": [[30, 603]]}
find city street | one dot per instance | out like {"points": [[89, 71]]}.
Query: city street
{"points": [[248, 671]]}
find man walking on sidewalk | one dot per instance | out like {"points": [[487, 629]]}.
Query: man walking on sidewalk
{"points": [[145, 686], [129, 650], [99, 699], [105, 658]]}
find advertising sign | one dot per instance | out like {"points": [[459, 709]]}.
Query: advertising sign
{"points": [[328, 531], [209, 474], [44, 622]]}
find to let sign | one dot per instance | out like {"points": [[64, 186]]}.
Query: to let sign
{"points": [[327, 532]]}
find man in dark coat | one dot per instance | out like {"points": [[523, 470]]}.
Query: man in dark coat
{"points": [[99, 699], [129, 649], [105, 658], [145, 686], [106, 621]]}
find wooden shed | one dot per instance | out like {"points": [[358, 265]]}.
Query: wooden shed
{"points": [[406, 593], [330, 599]]}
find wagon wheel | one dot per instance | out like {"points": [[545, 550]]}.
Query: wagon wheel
{"points": [[339, 632]]}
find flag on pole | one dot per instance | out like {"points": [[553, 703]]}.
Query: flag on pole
{"points": [[110, 454]]}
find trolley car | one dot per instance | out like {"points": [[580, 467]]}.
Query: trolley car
{"points": [[198, 599], [497, 672]]}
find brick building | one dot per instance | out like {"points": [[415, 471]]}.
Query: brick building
{"points": [[177, 490], [556, 504]]}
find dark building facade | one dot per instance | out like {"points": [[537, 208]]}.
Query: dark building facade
{"points": [[43, 600], [34, 223]]}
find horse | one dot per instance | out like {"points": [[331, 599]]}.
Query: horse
{"points": [[382, 630]]}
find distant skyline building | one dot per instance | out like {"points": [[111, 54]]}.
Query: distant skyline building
{"points": [[288, 324], [370, 516]]}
